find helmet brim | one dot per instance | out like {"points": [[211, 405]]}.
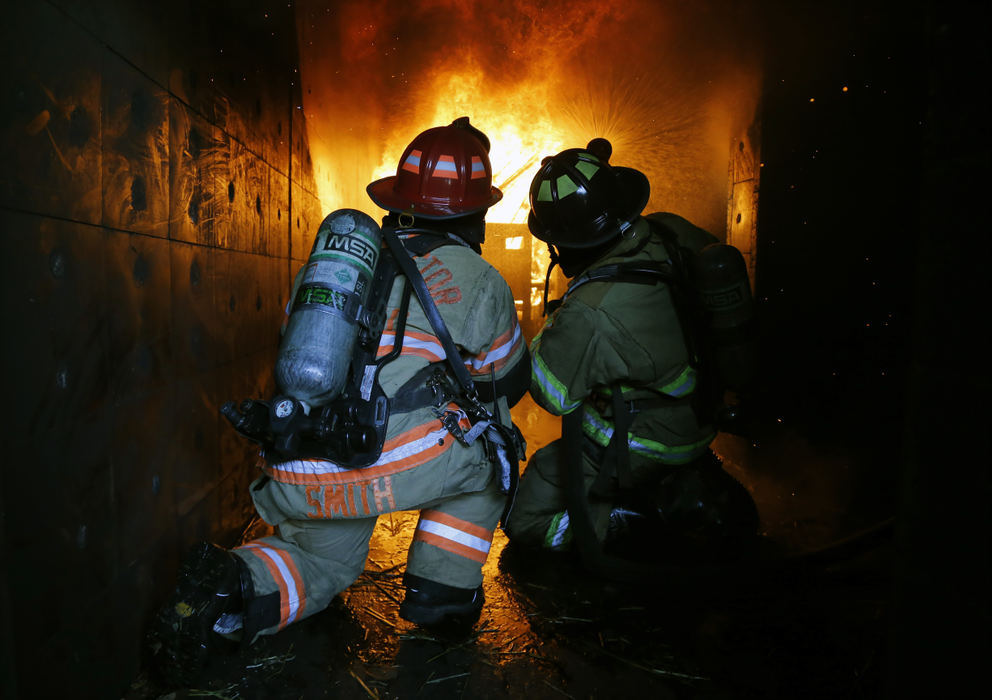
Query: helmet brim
{"points": [[635, 190], [635, 185], [382, 192]]}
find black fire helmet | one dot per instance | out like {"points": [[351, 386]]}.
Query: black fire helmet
{"points": [[579, 200]]}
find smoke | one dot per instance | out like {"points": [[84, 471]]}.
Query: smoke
{"points": [[669, 83]]}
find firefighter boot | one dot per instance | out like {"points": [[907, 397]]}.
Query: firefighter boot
{"points": [[430, 604], [182, 635], [703, 498], [697, 509], [707, 510]]}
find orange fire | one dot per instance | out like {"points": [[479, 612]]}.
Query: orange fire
{"points": [[668, 83], [671, 84], [518, 124]]}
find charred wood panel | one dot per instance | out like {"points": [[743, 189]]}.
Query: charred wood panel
{"points": [[307, 216], [145, 217], [51, 145], [139, 322], [742, 214], [199, 154], [54, 295], [247, 194], [136, 151]]}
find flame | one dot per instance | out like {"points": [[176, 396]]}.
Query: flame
{"points": [[665, 81], [668, 82]]}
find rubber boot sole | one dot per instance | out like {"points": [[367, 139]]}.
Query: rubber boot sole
{"points": [[443, 614], [181, 636]]}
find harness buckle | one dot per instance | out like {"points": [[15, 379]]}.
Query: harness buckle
{"points": [[450, 419]]}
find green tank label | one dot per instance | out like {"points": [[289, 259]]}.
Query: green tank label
{"points": [[318, 295], [354, 249], [726, 298]]}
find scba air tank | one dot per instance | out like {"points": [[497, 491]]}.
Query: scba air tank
{"points": [[329, 295], [721, 279]]}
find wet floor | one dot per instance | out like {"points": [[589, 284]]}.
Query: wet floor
{"points": [[549, 630]]}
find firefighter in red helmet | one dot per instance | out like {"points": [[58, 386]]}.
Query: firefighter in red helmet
{"points": [[622, 361], [431, 460]]}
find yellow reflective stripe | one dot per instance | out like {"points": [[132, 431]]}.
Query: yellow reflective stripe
{"points": [[559, 533], [544, 192], [600, 431], [586, 168], [552, 389], [565, 186], [682, 384]]}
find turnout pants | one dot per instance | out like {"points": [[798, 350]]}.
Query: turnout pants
{"points": [[324, 522], [540, 517]]}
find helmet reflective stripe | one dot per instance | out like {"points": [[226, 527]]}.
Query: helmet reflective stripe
{"points": [[412, 162], [578, 200], [544, 193], [566, 186], [478, 168], [580, 177], [446, 168], [586, 168], [443, 173]]}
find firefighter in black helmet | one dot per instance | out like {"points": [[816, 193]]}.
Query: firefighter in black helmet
{"points": [[616, 357]]}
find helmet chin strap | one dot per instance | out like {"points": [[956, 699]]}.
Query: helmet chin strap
{"points": [[574, 261], [547, 278]]}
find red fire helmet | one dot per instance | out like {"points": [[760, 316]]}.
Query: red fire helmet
{"points": [[443, 173]]}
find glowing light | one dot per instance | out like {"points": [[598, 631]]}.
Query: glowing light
{"points": [[514, 243], [536, 80], [518, 124]]}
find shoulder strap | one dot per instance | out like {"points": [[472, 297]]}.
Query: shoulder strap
{"points": [[409, 269], [426, 242], [648, 272], [634, 272]]}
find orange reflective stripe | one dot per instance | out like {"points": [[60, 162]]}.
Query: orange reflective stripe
{"points": [[414, 344], [292, 615], [412, 162], [451, 546], [454, 535], [411, 449], [458, 524], [408, 351], [391, 321], [445, 168], [286, 576], [499, 353], [478, 168]]}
